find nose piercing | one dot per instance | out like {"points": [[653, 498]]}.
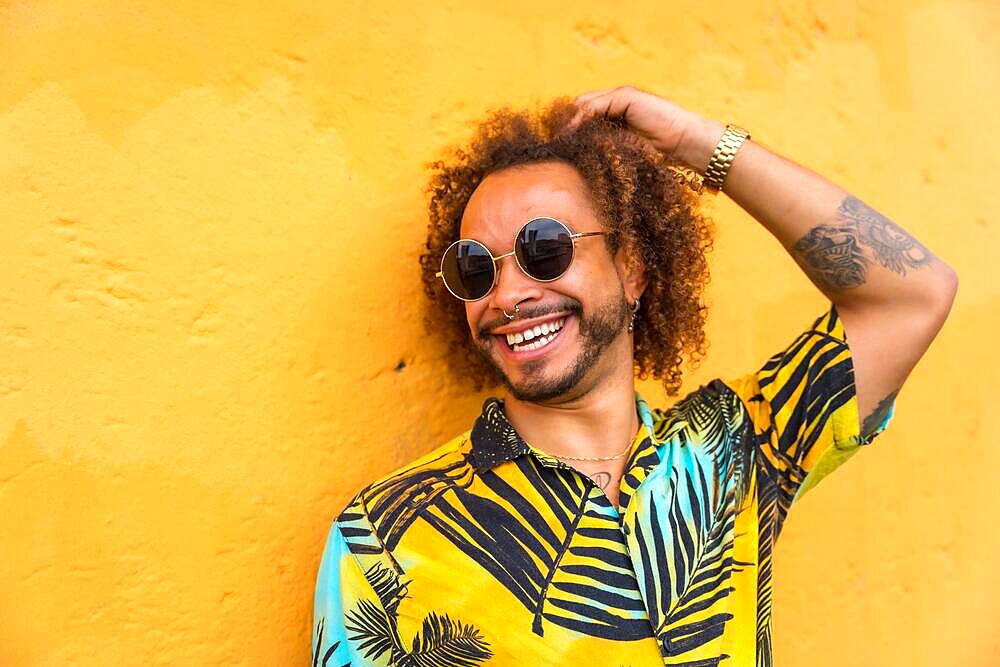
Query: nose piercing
{"points": [[516, 310]]}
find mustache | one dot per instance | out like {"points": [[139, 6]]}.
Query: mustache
{"points": [[566, 306]]}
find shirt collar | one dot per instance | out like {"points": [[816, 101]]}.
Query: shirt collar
{"points": [[495, 440]]}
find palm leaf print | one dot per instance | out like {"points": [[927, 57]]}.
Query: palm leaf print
{"points": [[374, 631], [443, 642], [767, 499], [798, 390], [388, 586], [775, 490], [520, 527], [355, 528], [394, 503], [684, 539], [721, 427], [325, 662]]}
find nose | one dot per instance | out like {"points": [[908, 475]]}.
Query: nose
{"points": [[513, 286]]}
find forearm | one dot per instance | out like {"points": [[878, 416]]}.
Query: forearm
{"points": [[854, 255]]}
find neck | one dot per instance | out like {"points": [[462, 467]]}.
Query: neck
{"points": [[600, 422]]}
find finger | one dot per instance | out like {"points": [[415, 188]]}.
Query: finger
{"points": [[588, 105], [582, 102], [590, 95], [609, 105]]}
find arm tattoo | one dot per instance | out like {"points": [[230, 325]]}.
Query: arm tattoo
{"points": [[833, 254], [601, 479], [892, 246], [832, 257], [872, 421]]}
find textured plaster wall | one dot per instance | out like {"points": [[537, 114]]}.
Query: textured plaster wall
{"points": [[210, 216]]}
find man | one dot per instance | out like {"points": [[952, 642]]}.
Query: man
{"points": [[573, 523]]}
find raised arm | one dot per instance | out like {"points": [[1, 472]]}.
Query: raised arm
{"points": [[892, 293]]}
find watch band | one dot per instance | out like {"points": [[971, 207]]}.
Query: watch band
{"points": [[722, 158]]}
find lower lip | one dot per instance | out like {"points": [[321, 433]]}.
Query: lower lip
{"points": [[529, 355]]}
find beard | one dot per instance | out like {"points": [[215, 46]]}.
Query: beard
{"points": [[597, 329]]}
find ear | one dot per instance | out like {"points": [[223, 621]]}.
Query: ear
{"points": [[632, 271]]}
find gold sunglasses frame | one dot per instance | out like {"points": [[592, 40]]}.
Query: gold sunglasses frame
{"points": [[496, 272]]}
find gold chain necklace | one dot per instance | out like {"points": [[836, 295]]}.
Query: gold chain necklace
{"points": [[597, 458]]}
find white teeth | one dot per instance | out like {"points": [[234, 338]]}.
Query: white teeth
{"points": [[541, 342], [541, 334]]}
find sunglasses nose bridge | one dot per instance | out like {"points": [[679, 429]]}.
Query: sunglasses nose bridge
{"points": [[499, 258], [507, 260], [511, 285]]}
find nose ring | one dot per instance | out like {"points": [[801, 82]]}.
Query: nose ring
{"points": [[516, 310]]}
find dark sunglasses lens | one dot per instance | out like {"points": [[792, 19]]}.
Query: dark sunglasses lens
{"points": [[544, 248], [467, 269]]}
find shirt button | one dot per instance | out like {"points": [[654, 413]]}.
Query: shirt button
{"points": [[625, 529]]}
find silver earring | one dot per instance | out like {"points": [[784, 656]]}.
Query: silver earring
{"points": [[631, 321]]}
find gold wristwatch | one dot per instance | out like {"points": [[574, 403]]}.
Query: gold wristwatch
{"points": [[722, 158]]}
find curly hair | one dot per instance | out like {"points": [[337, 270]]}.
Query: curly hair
{"points": [[641, 197]]}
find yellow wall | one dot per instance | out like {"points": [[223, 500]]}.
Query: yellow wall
{"points": [[210, 216]]}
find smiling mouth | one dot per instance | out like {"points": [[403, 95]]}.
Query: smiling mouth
{"points": [[535, 337]]}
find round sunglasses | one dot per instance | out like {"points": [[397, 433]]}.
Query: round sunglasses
{"points": [[543, 248]]}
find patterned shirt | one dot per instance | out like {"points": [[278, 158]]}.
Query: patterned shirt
{"points": [[486, 551]]}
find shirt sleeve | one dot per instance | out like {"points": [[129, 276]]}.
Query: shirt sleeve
{"points": [[804, 408], [350, 624]]}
